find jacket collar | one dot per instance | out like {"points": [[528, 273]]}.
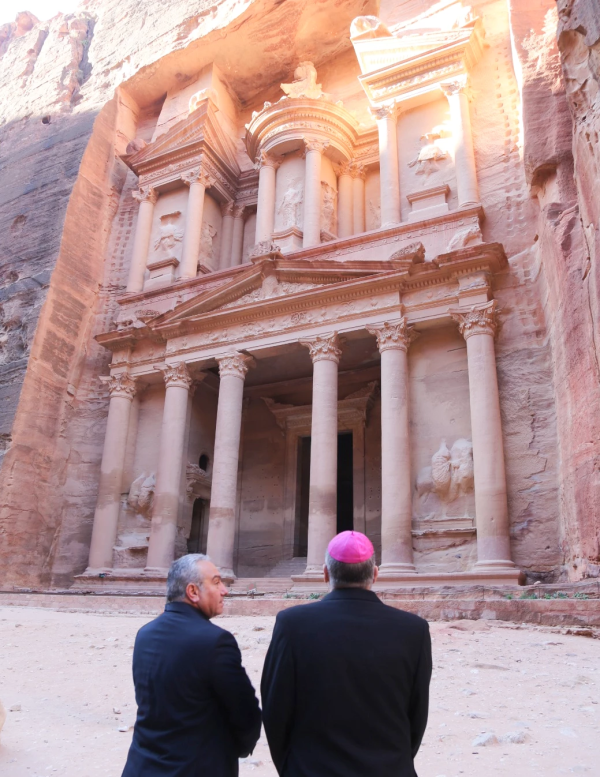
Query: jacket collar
{"points": [[359, 594], [184, 609]]}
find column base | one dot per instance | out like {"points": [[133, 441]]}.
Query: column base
{"points": [[392, 569], [492, 565]]}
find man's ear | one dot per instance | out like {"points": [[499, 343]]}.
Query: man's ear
{"points": [[325, 573], [192, 593], [375, 573]]}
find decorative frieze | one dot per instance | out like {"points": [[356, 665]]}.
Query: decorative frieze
{"points": [[478, 320], [323, 347], [235, 364], [396, 335]]}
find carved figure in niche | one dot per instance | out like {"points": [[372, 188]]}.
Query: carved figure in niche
{"points": [[207, 237], [450, 474], [431, 153], [141, 493], [328, 208], [365, 27], [464, 237], [290, 207], [304, 83], [169, 235]]}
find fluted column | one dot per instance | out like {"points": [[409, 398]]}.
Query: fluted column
{"points": [[237, 237], [221, 525], [345, 204], [226, 236], [199, 181], [467, 188], [358, 198], [147, 197], [322, 501], [265, 211], [312, 192], [396, 483], [170, 462], [106, 516], [478, 326], [388, 165]]}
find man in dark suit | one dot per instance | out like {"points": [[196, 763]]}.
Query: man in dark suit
{"points": [[345, 687], [197, 710]]}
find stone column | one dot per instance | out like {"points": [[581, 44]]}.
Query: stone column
{"points": [[106, 517], [198, 181], [170, 461], [221, 525], [358, 196], [265, 211], [226, 236], [322, 501], [464, 156], [478, 326], [345, 206], [312, 192], [237, 238], [396, 482], [388, 165], [147, 197]]}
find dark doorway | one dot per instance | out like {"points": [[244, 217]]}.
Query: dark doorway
{"points": [[345, 490], [197, 540], [345, 483]]}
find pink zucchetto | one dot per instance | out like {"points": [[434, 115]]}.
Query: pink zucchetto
{"points": [[350, 547]]}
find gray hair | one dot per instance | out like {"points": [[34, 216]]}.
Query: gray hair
{"points": [[350, 575], [184, 571]]}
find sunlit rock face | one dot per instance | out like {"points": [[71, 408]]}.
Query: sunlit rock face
{"points": [[193, 197]]}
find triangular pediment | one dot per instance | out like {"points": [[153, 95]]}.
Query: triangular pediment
{"points": [[265, 282], [200, 129]]}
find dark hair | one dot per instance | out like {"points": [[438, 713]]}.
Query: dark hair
{"points": [[350, 575]]}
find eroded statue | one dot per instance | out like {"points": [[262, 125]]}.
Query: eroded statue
{"points": [[304, 83], [451, 472], [169, 235], [290, 207], [141, 493]]}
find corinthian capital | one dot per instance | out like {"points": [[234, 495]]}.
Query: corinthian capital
{"points": [[315, 145], [121, 385], [227, 209], [176, 374], [478, 320], [238, 211], [384, 112], [357, 170], [266, 160], [323, 347], [457, 85], [198, 175], [397, 335], [145, 194], [235, 364]]}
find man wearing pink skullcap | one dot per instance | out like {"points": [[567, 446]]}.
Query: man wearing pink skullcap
{"points": [[345, 687]]}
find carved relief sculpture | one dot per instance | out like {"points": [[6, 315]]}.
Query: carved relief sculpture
{"points": [[141, 494], [328, 208], [449, 477], [304, 83], [170, 236], [290, 207]]}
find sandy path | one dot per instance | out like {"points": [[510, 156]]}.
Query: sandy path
{"points": [[70, 672]]}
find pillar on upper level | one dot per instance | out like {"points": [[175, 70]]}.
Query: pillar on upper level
{"points": [[165, 511], [322, 500], [265, 210], [478, 325], [467, 188], [237, 236], [393, 340], [312, 192], [345, 202], [221, 524], [389, 174], [146, 196], [358, 198], [198, 181], [226, 235], [108, 505]]}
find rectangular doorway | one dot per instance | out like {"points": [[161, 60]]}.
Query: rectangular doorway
{"points": [[199, 531], [345, 490]]}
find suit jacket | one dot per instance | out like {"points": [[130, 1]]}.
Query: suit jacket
{"points": [[345, 688], [197, 710]]}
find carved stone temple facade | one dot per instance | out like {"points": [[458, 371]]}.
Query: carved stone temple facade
{"points": [[305, 293]]}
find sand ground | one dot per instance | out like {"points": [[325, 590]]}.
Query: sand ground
{"points": [[533, 693]]}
